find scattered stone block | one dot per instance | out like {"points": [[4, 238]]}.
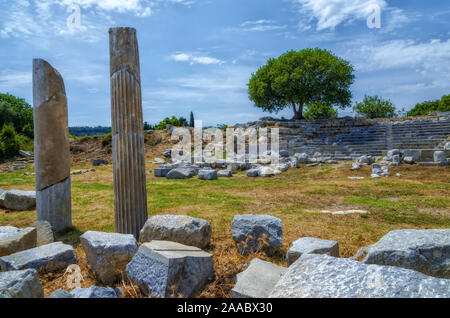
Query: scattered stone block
{"points": [[177, 228], [19, 200], [94, 292], [207, 174], [108, 253], [160, 265], [302, 157], [181, 173], [426, 251], [256, 232], [309, 245], [49, 258], [284, 153], [162, 172], [266, 172], [252, 173], [258, 280], [99, 162], [44, 232], [323, 276], [440, 156], [13, 240], [60, 293], [159, 161], [225, 173], [20, 284]]}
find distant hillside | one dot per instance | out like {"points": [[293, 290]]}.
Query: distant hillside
{"points": [[89, 131]]}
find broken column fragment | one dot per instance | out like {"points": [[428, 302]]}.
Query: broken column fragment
{"points": [[51, 147], [128, 155]]}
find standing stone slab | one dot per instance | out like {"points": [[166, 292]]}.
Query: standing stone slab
{"points": [[128, 154], [310, 245], [258, 280], [256, 232], [108, 253], [159, 265], [49, 258], [19, 200], [426, 251], [177, 228], [51, 147], [20, 284], [13, 240], [94, 292], [323, 276]]}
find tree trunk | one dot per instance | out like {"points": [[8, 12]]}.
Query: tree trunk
{"points": [[298, 114]]}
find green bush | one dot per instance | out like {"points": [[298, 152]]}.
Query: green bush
{"points": [[375, 107], [168, 121], [107, 140], [16, 112], [319, 110], [9, 143], [425, 108]]}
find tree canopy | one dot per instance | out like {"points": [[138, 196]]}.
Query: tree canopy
{"points": [[16, 112], [299, 78], [423, 109], [375, 107]]}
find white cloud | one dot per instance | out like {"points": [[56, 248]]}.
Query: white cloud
{"points": [[260, 26], [330, 13], [10, 80], [194, 59]]}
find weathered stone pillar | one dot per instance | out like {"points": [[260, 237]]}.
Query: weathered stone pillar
{"points": [[128, 155], [51, 147]]}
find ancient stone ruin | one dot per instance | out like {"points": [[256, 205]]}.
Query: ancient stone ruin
{"points": [[51, 147], [128, 155]]}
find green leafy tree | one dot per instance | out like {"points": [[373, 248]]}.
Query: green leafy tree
{"points": [[320, 110], [191, 120], [299, 78], [168, 121], [8, 142], [425, 108], [444, 104], [15, 111], [183, 122], [375, 107], [147, 126]]}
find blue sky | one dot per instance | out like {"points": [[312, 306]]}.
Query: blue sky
{"points": [[199, 54]]}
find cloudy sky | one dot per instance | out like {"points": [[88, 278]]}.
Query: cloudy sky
{"points": [[199, 54]]}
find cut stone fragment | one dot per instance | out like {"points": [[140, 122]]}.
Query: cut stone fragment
{"points": [[94, 292], [165, 269], [49, 258], [258, 280], [20, 284], [13, 240], [19, 200], [108, 253], [60, 293], [44, 232], [323, 276], [426, 251], [256, 232], [310, 245], [177, 228], [207, 174]]}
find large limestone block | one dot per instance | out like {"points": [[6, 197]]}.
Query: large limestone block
{"points": [[177, 228], [19, 200], [207, 174], [181, 173], [160, 265], [323, 276], [426, 251], [258, 280], [257, 232], [310, 245], [108, 253], [94, 292], [60, 293], [49, 258], [13, 240], [51, 141], [20, 284]]}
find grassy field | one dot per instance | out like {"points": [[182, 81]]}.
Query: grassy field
{"points": [[420, 199]]}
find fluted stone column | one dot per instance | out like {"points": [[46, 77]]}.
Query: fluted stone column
{"points": [[128, 156], [51, 147]]}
